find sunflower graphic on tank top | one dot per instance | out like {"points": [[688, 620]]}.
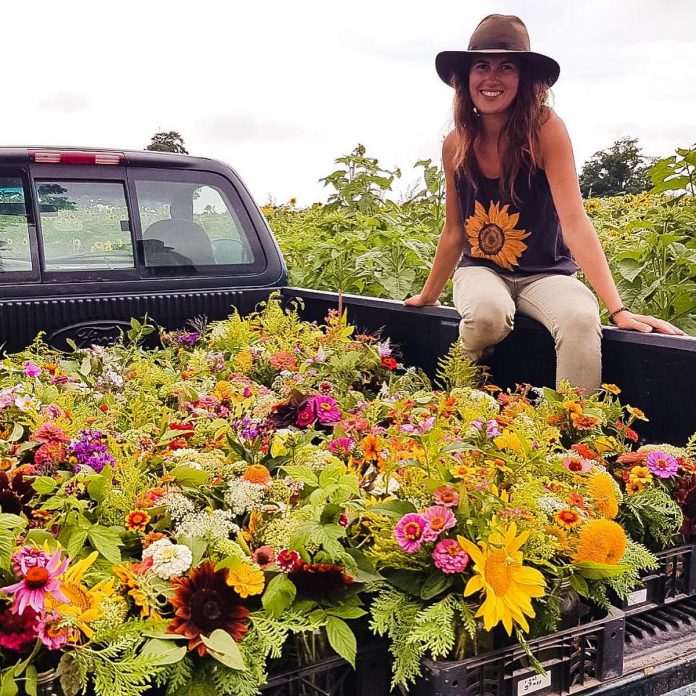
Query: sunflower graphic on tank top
{"points": [[492, 235]]}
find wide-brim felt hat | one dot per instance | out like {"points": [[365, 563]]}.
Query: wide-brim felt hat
{"points": [[497, 35]]}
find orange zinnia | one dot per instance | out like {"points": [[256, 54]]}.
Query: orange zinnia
{"points": [[258, 474], [568, 519]]}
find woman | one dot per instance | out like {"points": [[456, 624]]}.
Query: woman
{"points": [[515, 223]]}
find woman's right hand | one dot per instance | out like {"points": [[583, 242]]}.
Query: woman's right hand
{"points": [[420, 301]]}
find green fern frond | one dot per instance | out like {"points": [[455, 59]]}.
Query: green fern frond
{"points": [[455, 370]]}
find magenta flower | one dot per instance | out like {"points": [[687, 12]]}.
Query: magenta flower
{"points": [[31, 369], [439, 519], [37, 582], [18, 633], [306, 415], [341, 446], [450, 557], [447, 496], [327, 409], [662, 464], [410, 532]]}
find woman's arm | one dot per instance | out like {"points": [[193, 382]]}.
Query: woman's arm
{"points": [[451, 243], [578, 232]]}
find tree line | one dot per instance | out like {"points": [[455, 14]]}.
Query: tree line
{"points": [[616, 171]]}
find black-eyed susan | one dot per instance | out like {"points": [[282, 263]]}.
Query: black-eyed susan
{"points": [[568, 518], [492, 235], [508, 585]]}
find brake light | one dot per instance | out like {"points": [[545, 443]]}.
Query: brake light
{"points": [[74, 157]]}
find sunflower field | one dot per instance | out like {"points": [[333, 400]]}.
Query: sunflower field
{"points": [[366, 244], [261, 492]]}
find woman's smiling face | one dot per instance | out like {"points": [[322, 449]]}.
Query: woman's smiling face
{"points": [[493, 83]]}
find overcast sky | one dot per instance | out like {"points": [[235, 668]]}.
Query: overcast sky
{"points": [[280, 89]]}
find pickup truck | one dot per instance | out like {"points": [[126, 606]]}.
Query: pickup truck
{"points": [[91, 238]]}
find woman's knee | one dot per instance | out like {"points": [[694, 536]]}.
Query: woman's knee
{"points": [[489, 320], [580, 324]]}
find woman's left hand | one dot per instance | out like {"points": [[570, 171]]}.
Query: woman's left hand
{"points": [[645, 324]]}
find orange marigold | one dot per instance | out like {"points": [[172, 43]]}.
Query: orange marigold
{"points": [[257, 473], [604, 491], [601, 541]]}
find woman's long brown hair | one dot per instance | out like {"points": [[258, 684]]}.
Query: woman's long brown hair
{"points": [[520, 136]]}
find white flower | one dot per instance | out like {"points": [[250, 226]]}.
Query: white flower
{"points": [[168, 560], [550, 504], [24, 403], [384, 349], [218, 524], [177, 505], [243, 496]]}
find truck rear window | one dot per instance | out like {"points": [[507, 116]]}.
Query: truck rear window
{"points": [[85, 225], [15, 252], [189, 223]]}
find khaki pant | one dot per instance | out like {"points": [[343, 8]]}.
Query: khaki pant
{"points": [[487, 302]]}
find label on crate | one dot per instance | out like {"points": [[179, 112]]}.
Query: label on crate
{"points": [[533, 683], [637, 597]]}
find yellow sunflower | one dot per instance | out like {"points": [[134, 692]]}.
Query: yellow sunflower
{"points": [[492, 235], [606, 494], [508, 585], [601, 541]]}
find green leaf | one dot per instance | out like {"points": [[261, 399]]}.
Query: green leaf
{"points": [[10, 521], [579, 584], [600, 571], [38, 536], [347, 612], [436, 583], [192, 478], [393, 508], [85, 367], [303, 474], [279, 595], [231, 562], [405, 580], [8, 685], [76, 541], [98, 487], [30, 681], [341, 639], [167, 652], [106, 541], [44, 485], [16, 434], [223, 648]]}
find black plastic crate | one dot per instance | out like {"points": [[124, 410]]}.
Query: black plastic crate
{"points": [[333, 676], [575, 660], [675, 579]]}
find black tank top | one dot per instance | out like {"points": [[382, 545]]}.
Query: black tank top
{"points": [[513, 238]]}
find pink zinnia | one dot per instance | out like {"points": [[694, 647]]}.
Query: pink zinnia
{"points": [[306, 415], [50, 633], [326, 409], [662, 464], [447, 496], [28, 557], [264, 556], [450, 557], [49, 432], [410, 532], [38, 581], [31, 369], [578, 465], [439, 519]]}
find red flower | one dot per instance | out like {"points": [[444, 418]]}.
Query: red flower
{"points": [[288, 560], [203, 603], [137, 520], [389, 363], [584, 451]]}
